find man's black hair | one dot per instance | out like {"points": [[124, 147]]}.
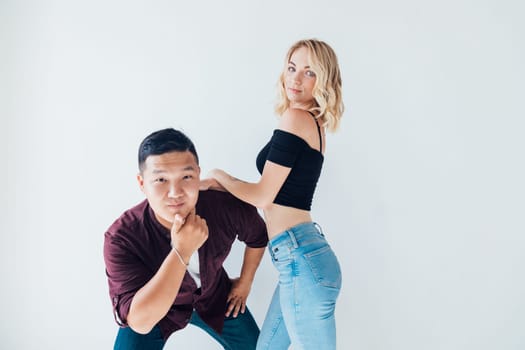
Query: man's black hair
{"points": [[164, 141]]}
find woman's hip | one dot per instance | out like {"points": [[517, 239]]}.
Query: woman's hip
{"points": [[303, 252]]}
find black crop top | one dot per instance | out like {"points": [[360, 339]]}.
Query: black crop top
{"points": [[291, 151]]}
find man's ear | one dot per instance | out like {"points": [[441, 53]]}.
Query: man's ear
{"points": [[140, 180]]}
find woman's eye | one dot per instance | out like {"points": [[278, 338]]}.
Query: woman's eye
{"points": [[310, 73], [291, 69]]}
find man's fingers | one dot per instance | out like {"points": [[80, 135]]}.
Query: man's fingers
{"points": [[178, 222], [235, 304], [238, 305], [230, 309], [243, 308]]}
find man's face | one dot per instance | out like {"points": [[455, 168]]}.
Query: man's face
{"points": [[170, 182]]}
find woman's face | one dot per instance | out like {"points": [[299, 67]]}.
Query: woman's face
{"points": [[299, 80]]}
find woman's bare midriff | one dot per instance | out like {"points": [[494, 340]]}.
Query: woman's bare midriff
{"points": [[280, 218]]}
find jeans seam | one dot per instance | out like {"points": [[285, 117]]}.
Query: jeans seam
{"points": [[274, 331]]}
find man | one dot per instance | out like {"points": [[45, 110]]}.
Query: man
{"points": [[164, 256]]}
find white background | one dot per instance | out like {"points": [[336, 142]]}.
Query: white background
{"points": [[422, 193]]}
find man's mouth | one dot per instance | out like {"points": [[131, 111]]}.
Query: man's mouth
{"points": [[175, 205]]}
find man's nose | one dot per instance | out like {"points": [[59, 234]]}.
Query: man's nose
{"points": [[175, 190]]}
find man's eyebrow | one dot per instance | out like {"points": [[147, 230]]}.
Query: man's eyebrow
{"points": [[186, 168]]}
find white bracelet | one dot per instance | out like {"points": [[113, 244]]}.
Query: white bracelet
{"points": [[180, 257]]}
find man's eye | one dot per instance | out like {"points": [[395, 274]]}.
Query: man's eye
{"points": [[160, 179], [188, 177]]}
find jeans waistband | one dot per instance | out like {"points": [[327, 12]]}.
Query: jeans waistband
{"points": [[296, 234]]}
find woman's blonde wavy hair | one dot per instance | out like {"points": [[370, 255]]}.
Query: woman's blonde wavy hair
{"points": [[327, 91]]}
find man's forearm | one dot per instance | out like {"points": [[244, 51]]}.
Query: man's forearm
{"points": [[153, 301], [252, 259]]}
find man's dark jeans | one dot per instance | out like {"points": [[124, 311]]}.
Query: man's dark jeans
{"points": [[239, 333]]}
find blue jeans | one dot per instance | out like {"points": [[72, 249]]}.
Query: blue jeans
{"points": [[303, 305], [239, 333]]}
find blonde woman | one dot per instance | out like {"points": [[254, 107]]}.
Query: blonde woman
{"points": [[302, 309]]}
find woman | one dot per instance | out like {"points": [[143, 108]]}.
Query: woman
{"points": [[310, 102]]}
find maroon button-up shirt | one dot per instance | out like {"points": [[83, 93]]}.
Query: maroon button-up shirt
{"points": [[136, 244]]}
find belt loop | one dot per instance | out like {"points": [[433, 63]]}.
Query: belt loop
{"points": [[292, 238], [319, 228]]}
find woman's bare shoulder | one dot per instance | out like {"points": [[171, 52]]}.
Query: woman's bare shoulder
{"points": [[296, 121]]}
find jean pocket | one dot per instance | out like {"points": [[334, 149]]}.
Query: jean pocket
{"points": [[325, 267], [281, 253]]}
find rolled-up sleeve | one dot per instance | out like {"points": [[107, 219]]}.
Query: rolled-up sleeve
{"points": [[251, 227], [125, 275]]}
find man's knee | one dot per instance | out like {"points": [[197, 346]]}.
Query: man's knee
{"points": [[128, 339]]}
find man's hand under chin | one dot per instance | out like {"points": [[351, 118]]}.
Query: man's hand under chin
{"points": [[188, 234]]}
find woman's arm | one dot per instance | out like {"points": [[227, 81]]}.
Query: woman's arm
{"points": [[260, 194], [263, 193]]}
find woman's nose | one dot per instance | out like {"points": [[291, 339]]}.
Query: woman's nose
{"points": [[296, 77]]}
